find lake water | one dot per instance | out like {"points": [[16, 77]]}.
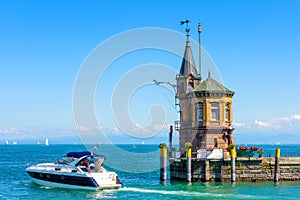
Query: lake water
{"points": [[139, 182]]}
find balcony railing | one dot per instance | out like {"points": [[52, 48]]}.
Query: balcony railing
{"points": [[198, 124], [188, 124]]}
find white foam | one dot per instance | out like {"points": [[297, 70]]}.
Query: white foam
{"points": [[186, 193], [166, 192]]}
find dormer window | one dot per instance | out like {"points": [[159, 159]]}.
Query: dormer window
{"points": [[191, 84]]}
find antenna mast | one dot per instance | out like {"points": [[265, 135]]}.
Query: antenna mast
{"points": [[199, 41]]}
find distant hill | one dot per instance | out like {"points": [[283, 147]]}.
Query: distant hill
{"points": [[268, 138]]}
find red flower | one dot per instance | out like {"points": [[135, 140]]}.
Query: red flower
{"points": [[254, 148], [243, 148], [210, 148]]}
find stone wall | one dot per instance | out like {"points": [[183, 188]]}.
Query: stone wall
{"points": [[247, 169]]}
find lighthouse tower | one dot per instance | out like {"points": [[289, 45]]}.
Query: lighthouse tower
{"points": [[205, 107]]}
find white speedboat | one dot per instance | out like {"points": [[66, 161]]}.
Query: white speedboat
{"points": [[77, 170]]}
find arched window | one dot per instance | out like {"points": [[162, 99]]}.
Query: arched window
{"points": [[227, 111], [215, 112], [215, 142]]}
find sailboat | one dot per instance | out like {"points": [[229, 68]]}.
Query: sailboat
{"points": [[6, 142], [47, 142], [15, 143]]}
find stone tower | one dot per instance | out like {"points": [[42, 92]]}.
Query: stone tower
{"points": [[205, 108]]}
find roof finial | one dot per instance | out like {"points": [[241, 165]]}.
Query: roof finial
{"points": [[187, 30], [209, 73]]}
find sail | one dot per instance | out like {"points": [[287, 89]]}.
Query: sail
{"points": [[47, 142]]}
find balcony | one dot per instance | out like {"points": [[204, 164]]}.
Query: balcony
{"points": [[188, 124], [198, 124]]}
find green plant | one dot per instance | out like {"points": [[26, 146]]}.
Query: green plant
{"points": [[231, 146], [188, 145], [260, 152], [162, 145]]}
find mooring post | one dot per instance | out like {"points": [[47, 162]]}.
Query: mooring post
{"points": [[170, 141], [233, 156], [206, 170], [189, 164], [277, 170], [163, 162]]}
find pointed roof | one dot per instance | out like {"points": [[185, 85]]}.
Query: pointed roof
{"points": [[210, 85], [188, 64]]}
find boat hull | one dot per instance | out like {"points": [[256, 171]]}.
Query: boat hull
{"points": [[64, 180]]}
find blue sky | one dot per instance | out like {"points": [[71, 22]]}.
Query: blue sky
{"points": [[255, 45]]}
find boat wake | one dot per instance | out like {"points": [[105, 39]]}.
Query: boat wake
{"points": [[189, 193]]}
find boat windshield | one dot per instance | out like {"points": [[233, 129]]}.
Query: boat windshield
{"points": [[78, 157], [66, 160]]}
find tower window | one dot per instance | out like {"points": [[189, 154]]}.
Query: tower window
{"points": [[227, 111], [215, 114], [191, 84], [199, 112], [182, 87]]}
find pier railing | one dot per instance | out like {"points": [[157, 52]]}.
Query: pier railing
{"points": [[199, 154]]}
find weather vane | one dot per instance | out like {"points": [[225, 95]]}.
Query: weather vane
{"points": [[187, 25]]}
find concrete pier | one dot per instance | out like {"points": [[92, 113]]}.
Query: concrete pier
{"points": [[246, 169]]}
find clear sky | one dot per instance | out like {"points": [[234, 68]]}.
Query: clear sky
{"points": [[255, 45]]}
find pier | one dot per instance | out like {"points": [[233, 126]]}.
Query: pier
{"points": [[246, 169]]}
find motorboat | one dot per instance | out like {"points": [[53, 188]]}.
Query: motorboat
{"points": [[76, 170]]}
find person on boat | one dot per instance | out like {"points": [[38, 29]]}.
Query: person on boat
{"points": [[85, 163]]}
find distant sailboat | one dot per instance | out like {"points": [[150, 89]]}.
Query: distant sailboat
{"points": [[38, 142], [47, 142], [14, 143], [96, 147], [143, 142], [6, 142]]}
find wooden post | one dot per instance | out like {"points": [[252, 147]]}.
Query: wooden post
{"points": [[277, 169], [189, 164], [163, 162], [170, 141], [206, 170], [233, 156]]}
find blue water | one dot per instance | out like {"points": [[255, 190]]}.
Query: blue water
{"points": [[16, 184]]}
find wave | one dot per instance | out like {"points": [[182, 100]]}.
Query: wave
{"points": [[190, 193]]}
